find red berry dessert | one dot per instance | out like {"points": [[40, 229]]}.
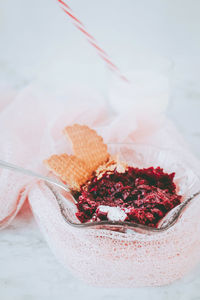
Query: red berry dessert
{"points": [[107, 189], [141, 196]]}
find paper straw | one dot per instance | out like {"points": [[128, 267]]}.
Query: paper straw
{"points": [[91, 40]]}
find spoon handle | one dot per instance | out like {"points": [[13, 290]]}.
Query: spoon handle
{"points": [[18, 169]]}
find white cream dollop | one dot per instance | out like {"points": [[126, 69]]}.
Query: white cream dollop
{"points": [[113, 213]]}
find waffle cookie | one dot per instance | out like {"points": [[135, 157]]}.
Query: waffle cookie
{"points": [[69, 168], [90, 152], [87, 145]]}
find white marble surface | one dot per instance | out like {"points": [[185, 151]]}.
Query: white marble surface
{"points": [[28, 269]]}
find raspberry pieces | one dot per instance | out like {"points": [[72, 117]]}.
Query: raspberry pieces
{"points": [[141, 196]]}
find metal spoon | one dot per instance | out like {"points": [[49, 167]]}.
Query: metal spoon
{"points": [[18, 169]]}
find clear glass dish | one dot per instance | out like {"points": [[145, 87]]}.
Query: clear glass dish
{"points": [[126, 254]]}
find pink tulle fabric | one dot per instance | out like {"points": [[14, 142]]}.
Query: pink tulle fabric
{"points": [[31, 124]]}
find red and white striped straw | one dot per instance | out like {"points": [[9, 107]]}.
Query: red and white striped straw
{"points": [[91, 39]]}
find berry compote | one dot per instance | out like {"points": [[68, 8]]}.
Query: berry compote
{"points": [[141, 196]]}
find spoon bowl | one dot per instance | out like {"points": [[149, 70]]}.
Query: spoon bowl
{"points": [[171, 217]]}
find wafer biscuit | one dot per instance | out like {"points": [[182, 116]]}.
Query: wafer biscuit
{"points": [[69, 168], [110, 166], [87, 145]]}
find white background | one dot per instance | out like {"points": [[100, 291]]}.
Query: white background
{"points": [[35, 35], [38, 41]]}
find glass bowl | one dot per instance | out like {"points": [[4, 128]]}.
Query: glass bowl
{"points": [[124, 254]]}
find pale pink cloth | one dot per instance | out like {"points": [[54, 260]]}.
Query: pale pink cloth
{"points": [[31, 130]]}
